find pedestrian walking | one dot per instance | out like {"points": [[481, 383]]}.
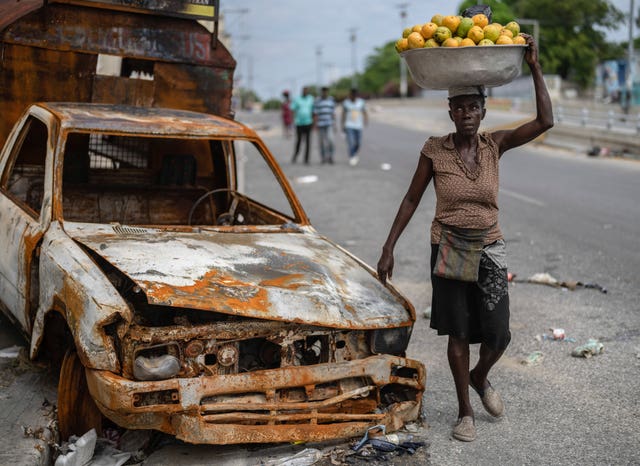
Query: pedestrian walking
{"points": [[354, 118], [324, 116], [286, 114], [302, 107], [470, 301]]}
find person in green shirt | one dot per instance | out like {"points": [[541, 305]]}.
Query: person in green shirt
{"points": [[302, 107]]}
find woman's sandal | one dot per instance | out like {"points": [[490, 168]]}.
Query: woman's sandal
{"points": [[491, 399], [465, 429]]}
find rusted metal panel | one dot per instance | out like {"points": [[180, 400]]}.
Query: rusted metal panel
{"points": [[31, 74], [12, 10], [185, 415], [69, 276], [124, 91], [288, 277], [196, 9], [89, 30], [193, 88]]}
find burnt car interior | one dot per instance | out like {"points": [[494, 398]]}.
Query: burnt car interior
{"points": [[155, 181]]}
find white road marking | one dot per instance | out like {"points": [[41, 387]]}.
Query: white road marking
{"points": [[521, 197]]}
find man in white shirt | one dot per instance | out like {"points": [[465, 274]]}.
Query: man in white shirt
{"points": [[354, 118]]}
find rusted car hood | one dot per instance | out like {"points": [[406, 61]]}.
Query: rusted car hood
{"points": [[294, 277]]}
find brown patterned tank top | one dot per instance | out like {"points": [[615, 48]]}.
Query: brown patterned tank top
{"points": [[465, 198]]}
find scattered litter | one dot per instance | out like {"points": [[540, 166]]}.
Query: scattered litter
{"points": [[591, 348], [376, 446], [546, 279], [385, 166], [414, 428], [108, 455], [557, 334], [10, 352], [534, 358], [80, 450], [306, 179], [427, 312], [305, 457]]}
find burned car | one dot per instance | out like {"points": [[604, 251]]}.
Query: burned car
{"points": [[163, 259]]}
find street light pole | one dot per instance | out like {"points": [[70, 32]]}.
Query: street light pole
{"points": [[319, 67], [630, 64], [403, 65], [354, 68]]}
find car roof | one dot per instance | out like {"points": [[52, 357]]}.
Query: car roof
{"points": [[143, 120]]}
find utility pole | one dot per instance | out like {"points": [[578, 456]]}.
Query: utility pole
{"points": [[318, 67], [354, 67], [630, 58], [403, 65]]}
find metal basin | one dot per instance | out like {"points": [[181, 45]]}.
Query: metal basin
{"points": [[445, 67]]}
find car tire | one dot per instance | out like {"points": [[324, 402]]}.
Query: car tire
{"points": [[77, 412]]}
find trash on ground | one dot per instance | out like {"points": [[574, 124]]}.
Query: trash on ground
{"points": [[10, 352], [557, 334], [534, 358], [591, 348], [80, 450], [106, 454], [385, 166], [376, 444], [544, 278], [305, 457], [306, 179], [427, 312]]}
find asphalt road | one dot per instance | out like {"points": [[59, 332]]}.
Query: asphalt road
{"points": [[563, 213]]}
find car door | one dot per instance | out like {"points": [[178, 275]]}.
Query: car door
{"points": [[25, 213]]}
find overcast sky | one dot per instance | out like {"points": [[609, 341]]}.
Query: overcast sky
{"points": [[279, 44]]}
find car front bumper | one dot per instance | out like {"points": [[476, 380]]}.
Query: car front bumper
{"points": [[296, 403]]}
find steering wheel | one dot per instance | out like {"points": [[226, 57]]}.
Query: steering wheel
{"points": [[227, 217]]}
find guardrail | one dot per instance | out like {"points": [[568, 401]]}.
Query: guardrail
{"points": [[588, 118]]}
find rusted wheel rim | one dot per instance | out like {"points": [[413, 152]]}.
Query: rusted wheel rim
{"points": [[77, 412]]}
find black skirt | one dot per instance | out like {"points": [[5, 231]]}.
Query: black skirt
{"points": [[478, 311]]}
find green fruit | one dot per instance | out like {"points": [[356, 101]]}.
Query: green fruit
{"points": [[431, 43], [465, 25], [406, 32], [442, 33], [486, 42], [513, 27]]}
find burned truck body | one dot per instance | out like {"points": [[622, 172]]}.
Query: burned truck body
{"points": [[162, 257]]}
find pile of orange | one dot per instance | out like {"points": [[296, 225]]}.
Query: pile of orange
{"points": [[456, 31]]}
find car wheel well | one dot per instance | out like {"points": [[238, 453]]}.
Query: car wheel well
{"points": [[56, 339]]}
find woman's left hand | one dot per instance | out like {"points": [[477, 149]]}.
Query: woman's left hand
{"points": [[531, 55]]}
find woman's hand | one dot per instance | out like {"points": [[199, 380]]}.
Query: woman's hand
{"points": [[531, 55], [385, 266]]}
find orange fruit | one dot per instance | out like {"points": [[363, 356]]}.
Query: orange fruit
{"points": [[504, 40], [451, 22], [416, 28], [476, 34], [450, 42], [437, 19], [519, 40], [415, 40], [466, 42], [428, 30], [506, 32], [402, 45], [406, 32], [480, 20]]}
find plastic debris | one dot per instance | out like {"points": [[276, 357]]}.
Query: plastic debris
{"points": [[546, 279], [385, 166], [306, 179], [591, 348], [305, 457], [534, 358], [80, 450], [11, 352], [106, 454], [427, 312]]}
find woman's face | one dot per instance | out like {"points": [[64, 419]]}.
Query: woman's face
{"points": [[466, 112]]}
